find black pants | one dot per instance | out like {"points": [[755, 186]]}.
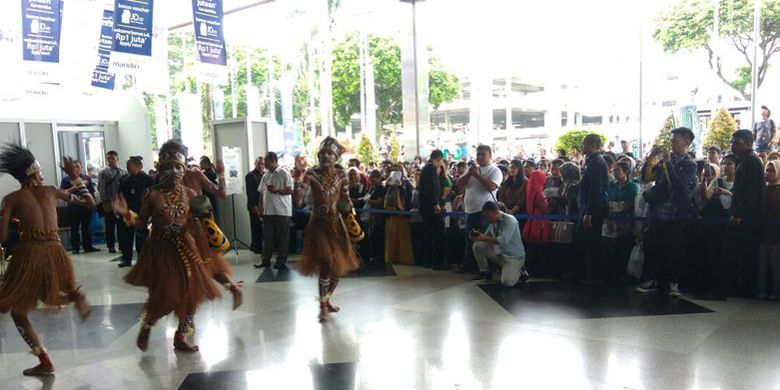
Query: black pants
{"points": [[127, 236], [376, 238], [113, 229], [80, 217], [433, 240], [616, 252], [256, 226], [276, 230], [665, 249], [742, 249], [713, 268], [588, 242]]}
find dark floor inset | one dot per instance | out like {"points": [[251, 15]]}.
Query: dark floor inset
{"points": [[373, 270], [336, 376], [545, 301], [270, 274], [64, 331]]}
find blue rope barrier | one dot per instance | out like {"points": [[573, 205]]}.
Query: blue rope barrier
{"points": [[550, 217]]}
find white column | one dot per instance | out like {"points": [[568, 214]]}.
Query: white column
{"points": [[414, 80]]}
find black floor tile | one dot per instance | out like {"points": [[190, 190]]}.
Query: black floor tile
{"points": [[546, 301], [373, 270], [269, 274], [64, 331], [336, 376]]}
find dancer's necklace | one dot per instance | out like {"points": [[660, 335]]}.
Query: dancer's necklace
{"points": [[176, 207]]}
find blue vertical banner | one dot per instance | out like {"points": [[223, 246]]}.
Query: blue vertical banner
{"points": [[207, 19], [132, 27], [101, 78], [41, 22]]}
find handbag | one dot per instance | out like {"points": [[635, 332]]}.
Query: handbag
{"points": [[562, 232], [501, 205], [656, 194], [636, 261]]}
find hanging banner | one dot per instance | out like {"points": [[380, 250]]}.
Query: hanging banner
{"points": [[207, 20], [101, 78], [41, 28], [41, 21], [133, 27]]}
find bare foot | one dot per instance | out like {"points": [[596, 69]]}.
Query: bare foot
{"points": [[82, 306], [41, 369], [143, 339], [238, 295], [180, 343], [323, 312]]}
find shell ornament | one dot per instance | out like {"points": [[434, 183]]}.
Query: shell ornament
{"points": [[217, 240], [353, 227]]}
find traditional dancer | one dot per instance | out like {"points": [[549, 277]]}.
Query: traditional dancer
{"points": [[40, 269], [176, 263], [202, 208], [328, 249]]}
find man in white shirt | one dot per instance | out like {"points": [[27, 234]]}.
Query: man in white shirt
{"points": [[480, 184], [276, 188]]}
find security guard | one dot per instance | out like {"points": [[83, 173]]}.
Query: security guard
{"points": [[133, 187]]}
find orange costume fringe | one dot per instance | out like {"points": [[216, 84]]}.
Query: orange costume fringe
{"points": [[40, 270], [327, 241], [177, 268]]}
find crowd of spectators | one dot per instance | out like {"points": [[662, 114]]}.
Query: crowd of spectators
{"points": [[677, 222]]}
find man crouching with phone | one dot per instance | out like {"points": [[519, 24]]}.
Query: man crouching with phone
{"points": [[500, 244]]}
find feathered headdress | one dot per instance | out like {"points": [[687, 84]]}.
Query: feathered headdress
{"points": [[18, 161], [172, 151], [333, 145]]}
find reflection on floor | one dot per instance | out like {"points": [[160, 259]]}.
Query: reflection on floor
{"points": [[289, 272], [335, 376], [546, 301], [404, 328], [64, 330]]}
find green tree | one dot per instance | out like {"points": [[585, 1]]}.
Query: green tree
{"points": [[366, 152], [395, 149], [664, 137], [443, 86], [688, 25], [386, 56], [573, 138], [720, 130]]}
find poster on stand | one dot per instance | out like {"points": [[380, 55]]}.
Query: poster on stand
{"points": [[234, 175], [207, 20]]}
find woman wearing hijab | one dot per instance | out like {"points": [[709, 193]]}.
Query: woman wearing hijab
{"points": [[536, 232]]}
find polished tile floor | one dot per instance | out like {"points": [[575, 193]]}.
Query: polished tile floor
{"points": [[405, 328]]}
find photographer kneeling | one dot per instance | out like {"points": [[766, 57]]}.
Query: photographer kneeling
{"points": [[500, 244]]}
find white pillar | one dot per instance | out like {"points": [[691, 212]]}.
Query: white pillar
{"points": [[414, 80]]}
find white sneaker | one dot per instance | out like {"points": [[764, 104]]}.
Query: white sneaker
{"points": [[647, 287], [674, 290]]}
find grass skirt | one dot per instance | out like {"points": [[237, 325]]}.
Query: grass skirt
{"points": [[327, 245], [38, 271], [176, 271]]}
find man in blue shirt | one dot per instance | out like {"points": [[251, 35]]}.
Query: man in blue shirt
{"points": [[80, 216], [500, 244], [675, 181], [593, 201]]}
